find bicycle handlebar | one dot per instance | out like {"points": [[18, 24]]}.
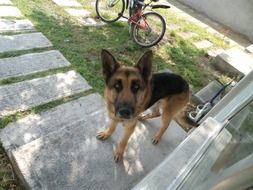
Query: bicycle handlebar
{"points": [[141, 2], [160, 6]]}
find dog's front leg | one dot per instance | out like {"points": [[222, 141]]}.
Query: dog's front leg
{"points": [[128, 130], [103, 135]]}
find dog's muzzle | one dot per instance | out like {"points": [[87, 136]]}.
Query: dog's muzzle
{"points": [[124, 112]]}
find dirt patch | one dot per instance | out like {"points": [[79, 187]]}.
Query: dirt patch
{"points": [[8, 179]]}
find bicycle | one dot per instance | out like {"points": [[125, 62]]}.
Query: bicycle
{"points": [[146, 28]]}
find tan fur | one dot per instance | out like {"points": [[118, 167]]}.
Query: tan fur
{"points": [[170, 105]]}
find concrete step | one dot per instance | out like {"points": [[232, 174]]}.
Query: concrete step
{"points": [[9, 11], [208, 92], [58, 149], [234, 61], [12, 25], [27, 94], [23, 42], [31, 63], [35, 126]]}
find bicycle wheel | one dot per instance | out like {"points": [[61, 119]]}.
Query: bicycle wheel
{"points": [[149, 30], [110, 10]]}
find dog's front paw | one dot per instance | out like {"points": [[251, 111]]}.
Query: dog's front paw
{"points": [[102, 135], [118, 156], [156, 140]]}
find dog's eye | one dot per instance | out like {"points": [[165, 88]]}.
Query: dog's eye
{"points": [[117, 86], [135, 88]]}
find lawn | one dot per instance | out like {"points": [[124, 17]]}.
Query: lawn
{"points": [[82, 45]]}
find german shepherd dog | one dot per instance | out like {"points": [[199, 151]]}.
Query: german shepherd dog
{"points": [[130, 90]]}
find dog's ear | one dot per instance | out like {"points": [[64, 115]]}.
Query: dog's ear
{"points": [[109, 64], [145, 64]]}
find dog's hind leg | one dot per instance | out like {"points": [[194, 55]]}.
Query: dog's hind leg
{"points": [[166, 119], [103, 135], [171, 107]]}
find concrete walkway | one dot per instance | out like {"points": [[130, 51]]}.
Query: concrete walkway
{"points": [[75, 9]]}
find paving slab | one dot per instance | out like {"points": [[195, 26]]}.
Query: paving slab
{"points": [[187, 35], [203, 44], [234, 61], [31, 63], [27, 94], [35, 126], [77, 12], [172, 27], [23, 42], [9, 11], [58, 149], [5, 2], [92, 22], [11, 25], [214, 52], [67, 3]]}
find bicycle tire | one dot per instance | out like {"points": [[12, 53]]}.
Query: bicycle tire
{"points": [[110, 14], [158, 33]]}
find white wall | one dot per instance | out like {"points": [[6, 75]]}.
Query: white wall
{"points": [[236, 14]]}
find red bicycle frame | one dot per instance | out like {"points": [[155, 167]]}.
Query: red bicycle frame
{"points": [[139, 20]]}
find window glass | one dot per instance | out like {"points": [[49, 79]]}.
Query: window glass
{"points": [[227, 154]]}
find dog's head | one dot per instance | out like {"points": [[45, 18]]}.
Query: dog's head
{"points": [[126, 87]]}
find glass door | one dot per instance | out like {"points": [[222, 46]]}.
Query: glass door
{"points": [[228, 161]]}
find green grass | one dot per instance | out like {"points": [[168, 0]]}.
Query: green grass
{"points": [[7, 177], [82, 45]]}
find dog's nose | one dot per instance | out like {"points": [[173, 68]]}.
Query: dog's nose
{"points": [[125, 113]]}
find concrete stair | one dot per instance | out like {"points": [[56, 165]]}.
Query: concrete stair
{"points": [[234, 61], [58, 149]]}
